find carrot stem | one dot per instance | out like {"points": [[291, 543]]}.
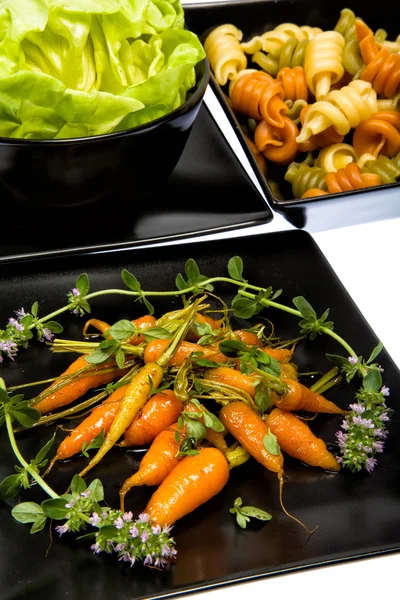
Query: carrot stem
{"points": [[324, 379]]}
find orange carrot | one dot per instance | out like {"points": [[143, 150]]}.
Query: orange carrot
{"points": [[193, 336], [154, 349], [159, 412], [282, 355], [192, 482], [143, 323], [77, 388], [156, 464], [300, 397], [100, 418], [247, 337], [234, 378], [249, 430], [296, 439], [288, 370]]}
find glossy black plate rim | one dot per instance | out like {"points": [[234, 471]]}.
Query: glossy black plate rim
{"points": [[277, 203]]}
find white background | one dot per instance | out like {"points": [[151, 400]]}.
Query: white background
{"points": [[366, 259]]}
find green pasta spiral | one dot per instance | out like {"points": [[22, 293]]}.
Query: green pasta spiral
{"points": [[292, 54], [304, 177], [387, 168], [346, 25]]}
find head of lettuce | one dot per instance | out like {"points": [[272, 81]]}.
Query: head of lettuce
{"points": [[77, 68]]}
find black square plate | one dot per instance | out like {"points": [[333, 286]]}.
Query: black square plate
{"points": [[197, 199], [357, 515], [254, 17]]}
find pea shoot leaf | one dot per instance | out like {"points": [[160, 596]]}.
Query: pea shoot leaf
{"points": [[82, 284], [375, 353], [310, 324], [235, 268], [34, 309], [244, 513], [194, 278], [130, 281], [97, 442], [271, 443]]}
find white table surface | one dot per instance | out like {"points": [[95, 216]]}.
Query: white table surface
{"points": [[366, 259]]}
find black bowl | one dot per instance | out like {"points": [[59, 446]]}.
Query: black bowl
{"points": [[71, 179]]}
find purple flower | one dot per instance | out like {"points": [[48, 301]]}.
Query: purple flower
{"points": [[370, 464], [119, 523], [379, 446], [342, 439], [385, 391], [70, 504], [20, 312], [173, 552], [156, 529], [345, 424], [357, 408], [380, 433], [167, 529], [134, 531], [119, 547], [358, 420], [61, 529], [47, 335], [15, 324], [145, 536], [143, 518], [96, 548], [148, 560], [127, 517], [165, 551], [353, 360], [75, 292], [384, 417], [86, 493], [9, 348], [94, 519]]}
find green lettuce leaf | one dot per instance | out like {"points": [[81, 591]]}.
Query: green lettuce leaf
{"points": [[72, 68]]}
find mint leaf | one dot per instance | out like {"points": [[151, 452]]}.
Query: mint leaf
{"points": [[27, 512], [375, 353], [78, 484], [122, 330]]}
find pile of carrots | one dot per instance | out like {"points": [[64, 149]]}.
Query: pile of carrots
{"points": [[190, 405]]}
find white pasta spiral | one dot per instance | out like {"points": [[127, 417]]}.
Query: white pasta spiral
{"points": [[223, 50], [323, 63], [335, 157], [344, 109], [272, 41]]}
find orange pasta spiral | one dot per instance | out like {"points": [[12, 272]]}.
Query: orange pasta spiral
{"points": [[259, 96], [294, 83], [223, 50], [277, 144], [350, 178], [380, 134], [382, 66]]}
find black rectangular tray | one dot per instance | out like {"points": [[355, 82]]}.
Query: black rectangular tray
{"points": [[357, 515], [254, 17], [198, 199]]}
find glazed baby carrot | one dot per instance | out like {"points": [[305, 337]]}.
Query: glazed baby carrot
{"points": [[157, 463], [137, 393], [159, 412], [249, 430], [192, 482], [99, 419], [282, 355], [78, 387], [193, 336], [247, 337], [300, 397], [296, 439], [234, 378], [155, 348], [143, 322]]}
